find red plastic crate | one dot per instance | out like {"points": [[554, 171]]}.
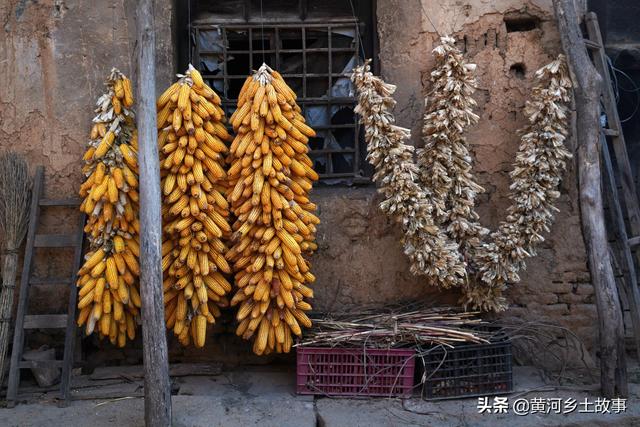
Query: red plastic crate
{"points": [[355, 371]]}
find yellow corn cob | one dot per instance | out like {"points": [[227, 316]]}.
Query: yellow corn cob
{"points": [[183, 96], [128, 92], [104, 145], [111, 273], [129, 156], [201, 330], [167, 94], [93, 260]]}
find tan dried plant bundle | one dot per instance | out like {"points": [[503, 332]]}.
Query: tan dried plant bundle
{"points": [[15, 199], [446, 171], [540, 163], [434, 197], [396, 326], [396, 174], [445, 162], [109, 296]]}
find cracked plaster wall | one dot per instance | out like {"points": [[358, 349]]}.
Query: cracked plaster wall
{"points": [[54, 55]]}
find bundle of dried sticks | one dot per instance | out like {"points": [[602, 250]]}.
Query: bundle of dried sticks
{"points": [[396, 326]]}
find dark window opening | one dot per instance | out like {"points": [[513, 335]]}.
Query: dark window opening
{"points": [[313, 44], [521, 22]]}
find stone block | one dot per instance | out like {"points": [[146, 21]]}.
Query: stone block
{"points": [[588, 310], [559, 287], [584, 289], [572, 298], [545, 298]]}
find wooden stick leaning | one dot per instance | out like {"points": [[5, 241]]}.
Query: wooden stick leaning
{"points": [[613, 376], [157, 386]]}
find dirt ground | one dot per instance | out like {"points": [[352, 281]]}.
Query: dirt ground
{"points": [[264, 396]]}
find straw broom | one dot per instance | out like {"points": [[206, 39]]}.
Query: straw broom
{"points": [[15, 196]]}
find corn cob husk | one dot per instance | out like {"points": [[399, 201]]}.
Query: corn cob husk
{"points": [[109, 298], [269, 180], [430, 251], [192, 141], [539, 166]]}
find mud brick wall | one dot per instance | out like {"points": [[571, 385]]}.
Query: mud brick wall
{"points": [[509, 40], [54, 55]]}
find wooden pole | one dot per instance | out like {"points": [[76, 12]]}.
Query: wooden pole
{"points": [[587, 96], [157, 388]]}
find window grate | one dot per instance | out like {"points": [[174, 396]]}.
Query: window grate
{"points": [[316, 61]]}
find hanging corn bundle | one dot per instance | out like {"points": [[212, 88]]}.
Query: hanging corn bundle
{"points": [[429, 250], [192, 139], [109, 297], [539, 166], [442, 235], [269, 181], [445, 162], [445, 170]]}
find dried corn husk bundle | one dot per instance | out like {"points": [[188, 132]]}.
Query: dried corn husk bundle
{"points": [[539, 166], [445, 162], [109, 297], [269, 181], [191, 139], [430, 252]]}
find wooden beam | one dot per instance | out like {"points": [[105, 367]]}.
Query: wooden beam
{"points": [[45, 321], [70, 335], [609, 102], [55, 241], [587, 84], [157, 389], [630, 283]]}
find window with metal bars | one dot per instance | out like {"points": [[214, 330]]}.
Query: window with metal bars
{"points": [[314, 46]]}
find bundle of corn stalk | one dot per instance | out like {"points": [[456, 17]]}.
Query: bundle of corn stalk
{"points": [[109, 291], [539, 166], [397, 326], [269, 180], [429, 251], [192, 139], [445, 161]]}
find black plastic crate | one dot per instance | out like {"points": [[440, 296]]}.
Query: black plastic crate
{"points": [[467, 369]]}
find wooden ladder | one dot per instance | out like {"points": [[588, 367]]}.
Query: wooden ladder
{"points": [[626, 201], [46, 321]]}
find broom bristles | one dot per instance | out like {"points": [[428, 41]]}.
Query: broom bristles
{"points": [[15, 198]]}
